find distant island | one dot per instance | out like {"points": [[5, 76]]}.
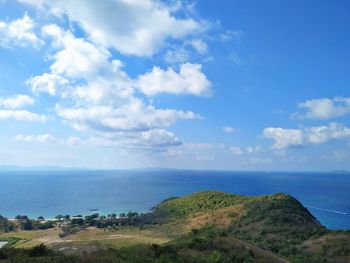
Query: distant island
{"points": [[207, 226], [340, 171]]}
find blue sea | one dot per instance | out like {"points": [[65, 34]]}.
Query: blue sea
{"points": [[48, 193]]}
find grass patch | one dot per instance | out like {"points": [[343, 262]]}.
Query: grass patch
{"points": [[10, 241]]}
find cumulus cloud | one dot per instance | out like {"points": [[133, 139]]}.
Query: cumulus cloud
{"points": [[17, 101], [22, 115], [132, 27], [76, 57], [47, 83], [19, 32], [322, 134], [324, 108], [94, 95], [229, 129], [105, 103], [156, 138], [134, 116], [189, 80], [285, 138]]}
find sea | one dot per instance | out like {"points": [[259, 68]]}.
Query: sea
{"points": [[74, 192]]}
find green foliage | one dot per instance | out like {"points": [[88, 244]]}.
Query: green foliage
{"points": [[6, 225], [277, 223], [198, 202], [69, 230], [27, 225]]}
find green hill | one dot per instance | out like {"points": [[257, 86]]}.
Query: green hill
{"points": [[197, 203], [220, 227]]}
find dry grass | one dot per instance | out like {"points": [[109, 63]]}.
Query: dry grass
{"points": [[32, 238], [94, 238], [220, 218]]}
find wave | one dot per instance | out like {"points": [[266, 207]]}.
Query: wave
{"points": [[327, 210]]}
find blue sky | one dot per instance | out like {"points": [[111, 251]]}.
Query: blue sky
{"points": [[241, 85]]}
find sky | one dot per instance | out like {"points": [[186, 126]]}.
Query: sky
{"points": [[211, 85]]}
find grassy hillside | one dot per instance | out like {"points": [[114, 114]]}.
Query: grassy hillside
{"points": [[198, 203], [210, 227]]}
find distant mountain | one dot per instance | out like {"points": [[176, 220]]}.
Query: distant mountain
{"points": [[340, 171]]}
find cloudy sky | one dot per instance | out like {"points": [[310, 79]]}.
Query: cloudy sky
{"points": [[243, 85]]}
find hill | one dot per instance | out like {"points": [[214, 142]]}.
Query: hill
{"points": [[211, 226]]}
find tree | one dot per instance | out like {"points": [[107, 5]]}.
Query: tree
{"points": [[59, 217], [41, 218], [27, 225]]}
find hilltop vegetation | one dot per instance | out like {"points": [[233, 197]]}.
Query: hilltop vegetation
{"points": [[198, 203], [205, 227], [6, 225]]}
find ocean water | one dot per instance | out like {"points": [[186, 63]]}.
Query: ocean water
{"points": [[48, 193]]}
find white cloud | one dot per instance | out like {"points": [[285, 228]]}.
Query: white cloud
{"points": [[285, 138], [189, 80], [322, 134], [196, 151], [42, 138], [206, 158], [134, 116], [17, 101], [131, 27], [76, 58], [48, 138], [251, 149], [324, 108], [153, 139], [47, 83], [229, 129], [19, 33], [199, 45], [231, 35], [247, 150], [95, 96], [21, 115], [158, 138], [236, 150], [176, 55]]}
